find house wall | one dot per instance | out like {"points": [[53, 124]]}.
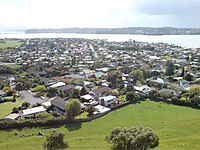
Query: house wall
{"points": [[110, 102], [58, 110]]}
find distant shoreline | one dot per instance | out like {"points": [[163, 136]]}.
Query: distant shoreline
{"points": [[131, 30]]}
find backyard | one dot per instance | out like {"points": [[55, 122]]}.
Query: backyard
{"points": [[172, 124]]}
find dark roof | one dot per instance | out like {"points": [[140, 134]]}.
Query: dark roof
{"points": [[66, 87], [101, 90], [58, 102]]}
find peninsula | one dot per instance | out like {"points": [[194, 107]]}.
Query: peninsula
{"points": [[128, 30]]}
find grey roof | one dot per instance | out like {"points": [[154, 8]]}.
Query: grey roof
{"points": [[66, 87], [58, 102], [2, 92]]}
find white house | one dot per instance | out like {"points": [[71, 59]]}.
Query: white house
{"points": [[108, 100], [144, 88], [31, 112], [11, 116]]}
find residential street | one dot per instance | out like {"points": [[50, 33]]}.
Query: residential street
{"points": [[28, 97]]}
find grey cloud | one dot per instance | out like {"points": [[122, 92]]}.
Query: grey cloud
{"points": [[169, 7]]}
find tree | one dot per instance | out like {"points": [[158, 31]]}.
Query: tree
{"points": [[73, 109], [130, 96], [115, 78], [137, 75], [8, 91], [153, 94], [170, 69], [90, 109], [55, 141], [76, 93], [18, 87], [183, 72], [188, 77], [51, 92], [39, 88], [166, 93], [136, 138], [115, 92]]}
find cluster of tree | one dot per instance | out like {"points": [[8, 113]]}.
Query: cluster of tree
{"points": [[134, 97], [129, 30], [115, 79], [169, 69], [136, 138], [137, 75], [192, 95], [6, 70], [24, 105], [55, 141]]}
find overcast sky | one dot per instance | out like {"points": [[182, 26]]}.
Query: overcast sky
{"points": [[99, 13]]}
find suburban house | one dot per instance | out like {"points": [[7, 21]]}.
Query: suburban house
{"points": [[58, 105], [102, 91], [143, 89], [86, 98], [65, 90], [31, 112], [2, 93], [108, 100]]}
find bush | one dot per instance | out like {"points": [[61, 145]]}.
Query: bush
{"points": [[39, 88], [166, 93]]}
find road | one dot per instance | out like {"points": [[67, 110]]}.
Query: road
{"points": [[95, 53], [28, 97]]}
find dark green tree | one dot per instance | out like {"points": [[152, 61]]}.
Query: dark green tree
{"points": [[183, 72], [137, 138], [51, 92], [18, 87], [76, 93], [130, 96], [188, 77], [55, 141], [170, 69]]}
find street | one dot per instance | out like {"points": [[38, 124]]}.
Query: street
{"points": [[28, 97]]}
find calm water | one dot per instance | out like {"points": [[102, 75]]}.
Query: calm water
{"points": [[189, 41]]}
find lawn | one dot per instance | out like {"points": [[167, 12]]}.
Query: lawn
{"points": [[178, 128], [13, 66], [12, 43], [6, 108]]}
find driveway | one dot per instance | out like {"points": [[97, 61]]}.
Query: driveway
{"points": [[28, 97]]}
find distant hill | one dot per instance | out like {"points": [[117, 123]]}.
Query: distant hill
{"points": [[130, 30]]}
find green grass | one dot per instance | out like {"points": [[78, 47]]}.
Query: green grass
{"points": [[13, 66], [12, 43], [178, 128], [82, 115], [6, 108], [168, 57]]}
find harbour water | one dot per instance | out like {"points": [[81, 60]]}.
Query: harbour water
{"points": [[187, 41]]}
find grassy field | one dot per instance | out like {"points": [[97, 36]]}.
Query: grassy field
{"points": [[6, 108], [12, 43], [178, 129], [13, 66]]}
